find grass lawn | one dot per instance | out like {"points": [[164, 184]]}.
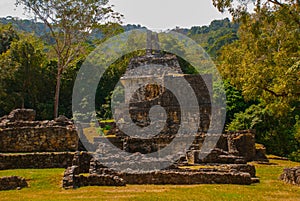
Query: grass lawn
{"points": [[45, 184]]}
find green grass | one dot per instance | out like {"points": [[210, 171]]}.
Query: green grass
{"points": [[45, 184], [107, 121]]}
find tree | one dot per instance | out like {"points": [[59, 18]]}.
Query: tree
{"points": [[238, 9], [264, 62], [7, 36], [21, 64], [29, 59], [70, 22], [235, 103], [265, 65]]}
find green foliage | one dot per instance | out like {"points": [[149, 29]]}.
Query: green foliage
{"points": [[275, 132], [235, 102], [252, 118], [240, 9], [295, 156], [214, 36], [297, 128], [28, 78], [26, 25], [7, 36], [264, 65], [23, 60]]}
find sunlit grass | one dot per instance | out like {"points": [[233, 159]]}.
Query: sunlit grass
{"points": [[92, 132], [45, 184]]}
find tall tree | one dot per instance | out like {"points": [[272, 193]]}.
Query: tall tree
{"points": [[20, 67], [264, 62], [70, 22], [265, 65]]}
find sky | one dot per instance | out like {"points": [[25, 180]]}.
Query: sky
{"points": [[154, 14]]}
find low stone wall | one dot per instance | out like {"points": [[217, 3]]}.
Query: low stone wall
{"points": [[214, 156], [82, 160], [36, 160], [72, 179], [189, 177], [28, 139], [243, 174], [46, 160], [20, 133], [291, 175], [12, 182], [95, 180]]}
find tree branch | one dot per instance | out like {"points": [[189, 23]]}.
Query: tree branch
{"points": [[276, 2], [274, 93]]}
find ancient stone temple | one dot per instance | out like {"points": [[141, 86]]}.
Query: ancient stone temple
{"points": [[145, 87], [145, 84]]}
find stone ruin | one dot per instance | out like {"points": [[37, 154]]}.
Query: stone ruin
{"points": [[291, 175], [12, 183], [215, 169], [226, 163], [26, 143], [19, 132]]}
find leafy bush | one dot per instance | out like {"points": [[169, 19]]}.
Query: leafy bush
{"points": [[295, 156]]}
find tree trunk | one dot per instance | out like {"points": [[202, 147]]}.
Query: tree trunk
{"points": [[57, 90]]}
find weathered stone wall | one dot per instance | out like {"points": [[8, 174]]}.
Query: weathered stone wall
{"points": [[214, 156], [19, 133], [242, 143], [187, 177], [291, 175], [95, 180], [36, 160], [223, 174], [72, 179], [12, 182], [46, 160], [165, 60], [38, 139], [233, 147], [261, 153], [82, 160], [107, 177], [150, 95]]}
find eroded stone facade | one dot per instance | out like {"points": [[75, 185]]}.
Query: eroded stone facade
{"points": [[20, 133]]}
